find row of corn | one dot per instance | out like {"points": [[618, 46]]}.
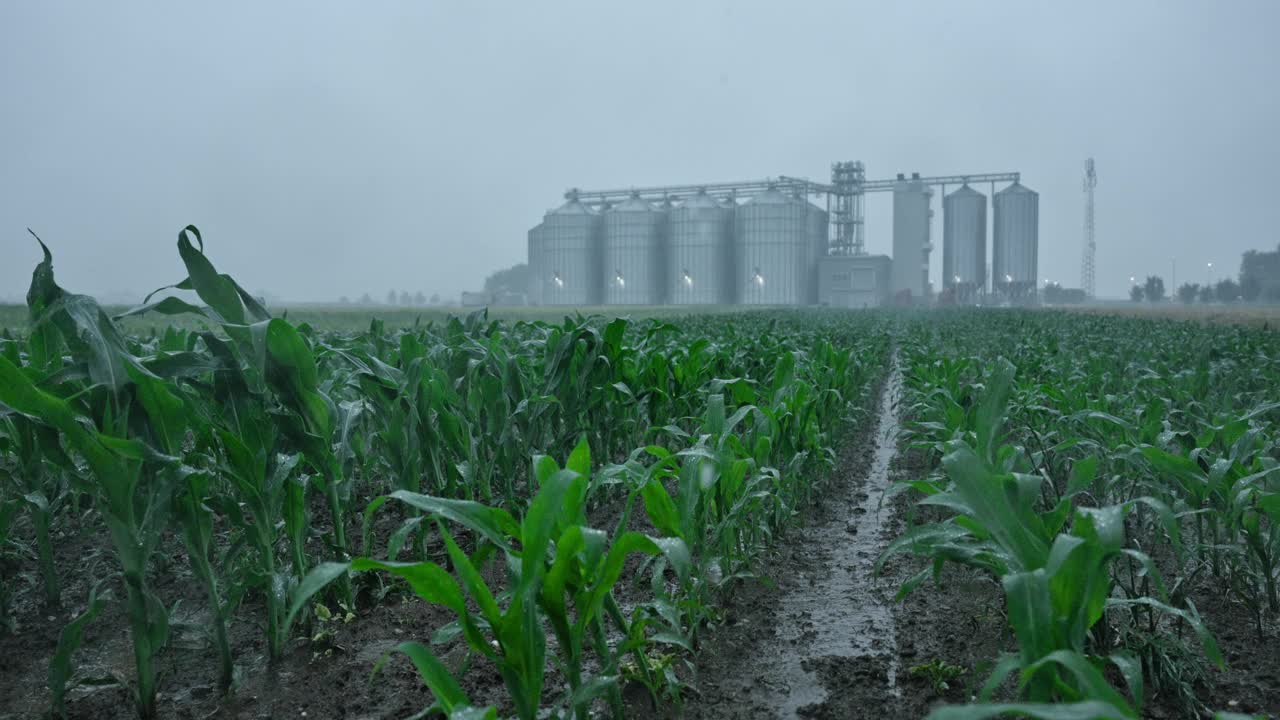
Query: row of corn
{"points": [[505, 472]]}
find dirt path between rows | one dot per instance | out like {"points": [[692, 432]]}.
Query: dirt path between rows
{"points": [[823, 642]]}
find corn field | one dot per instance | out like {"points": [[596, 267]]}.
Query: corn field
{"points": [[576, 502]]}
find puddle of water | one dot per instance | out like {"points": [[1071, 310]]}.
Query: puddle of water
{"points": [[847, 610]]}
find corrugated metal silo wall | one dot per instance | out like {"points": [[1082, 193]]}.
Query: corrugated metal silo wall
{"points": [[729, 263], [537, 265], [699, 253], [1015, 239], [819, 235], [773, 247], [633, 256], [964, 238], [910, 235], [571, 249]]}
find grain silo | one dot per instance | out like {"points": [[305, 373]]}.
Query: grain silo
{"points": [[699, 267], [773, 248], [819, 239], [964, 242], [1015, 244], [537, 264], [909, 279], [632, 253], [570, 258]]}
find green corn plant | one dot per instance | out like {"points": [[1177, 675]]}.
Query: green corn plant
{"points": [[1057, 586], [560, 565], [1259, 521], [261, 481], [191, 506], [8, 512], [272, 355], [132, 498], [40, 485], [450, 697], [586, 567], [133, 482], [62, 666]]}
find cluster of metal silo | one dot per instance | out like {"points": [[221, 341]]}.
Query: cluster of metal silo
{"points": [[699, 256], [964, 241], [564, 257], [632, 253], [774, 254], [1015, 241]]}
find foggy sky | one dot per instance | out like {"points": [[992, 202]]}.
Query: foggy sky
{"points": [[331, 149]]}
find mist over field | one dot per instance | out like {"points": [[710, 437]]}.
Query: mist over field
{"points": [[337, 149], [391, 440]]}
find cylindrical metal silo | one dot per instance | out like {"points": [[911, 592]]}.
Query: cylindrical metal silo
{"points": [[570, 239], [633, 252], [1015, 243], [773, 247], [819, 238], [964, 242], [700, 252], [537, 264], [909, 274]]}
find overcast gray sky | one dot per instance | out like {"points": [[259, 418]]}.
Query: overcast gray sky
{"points": [[331, 149]]}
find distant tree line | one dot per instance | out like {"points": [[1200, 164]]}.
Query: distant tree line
{"points": [[1055, 294], [1259, 281], [514, 279], [400, 298]]}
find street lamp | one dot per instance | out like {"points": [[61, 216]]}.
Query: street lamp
{"points": [[1210, 271]]}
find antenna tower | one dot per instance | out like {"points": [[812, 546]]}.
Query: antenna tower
{"points": [[1090, 242]]}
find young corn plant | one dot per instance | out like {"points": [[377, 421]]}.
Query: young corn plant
{"points": [[562, 574], [39, 484], [132, 481], [1057, 585]]}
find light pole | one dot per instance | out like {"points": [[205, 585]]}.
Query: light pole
{"points": [[1210, 273]]}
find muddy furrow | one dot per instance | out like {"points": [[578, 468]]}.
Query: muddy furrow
{"points": [[823, 643]]}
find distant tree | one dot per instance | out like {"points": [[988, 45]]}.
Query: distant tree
{"points": [[419, 299], [1227, 290], [1154, 288], [344, 300], [391, 297], [405, 299], [1072, 296], [1260, 275], [435, 298], [514, 279], [1206, 294], [1137, 293], [1250, 288], [365, 299], [1188, 292]]}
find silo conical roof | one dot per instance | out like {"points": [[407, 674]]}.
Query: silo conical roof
{"points": [[633, 204], [573, 206], [701, 200], [1016, 188], [965, 191]]}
